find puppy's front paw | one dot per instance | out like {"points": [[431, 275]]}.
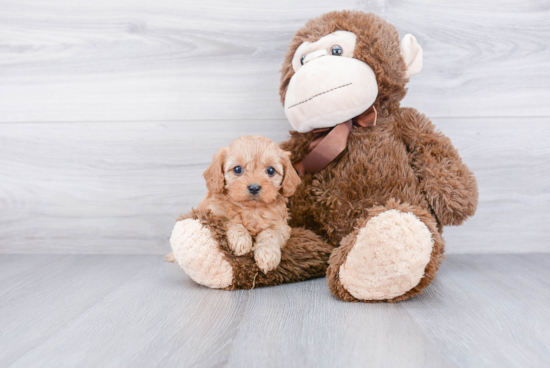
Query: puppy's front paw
{"points": [[267, 257], [239, 239]]}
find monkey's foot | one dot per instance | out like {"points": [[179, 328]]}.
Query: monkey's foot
{"points": [[199, 254], [392, 256]]}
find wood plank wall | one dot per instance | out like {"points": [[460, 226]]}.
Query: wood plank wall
{"points": [[111, 110]]}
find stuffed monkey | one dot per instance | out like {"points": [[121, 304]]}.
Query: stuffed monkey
{"points": [[378, 181]]}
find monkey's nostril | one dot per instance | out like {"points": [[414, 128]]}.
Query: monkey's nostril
{"points": [[254, 188]]}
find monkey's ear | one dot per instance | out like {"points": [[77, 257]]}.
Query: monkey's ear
{"points": [[412, 53], [215, 180], [291, 180]]}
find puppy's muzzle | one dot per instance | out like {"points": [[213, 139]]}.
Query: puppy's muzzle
{"points": [[254, 189]]}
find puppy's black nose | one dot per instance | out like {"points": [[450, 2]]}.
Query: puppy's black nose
{"points": [[254, 189]]}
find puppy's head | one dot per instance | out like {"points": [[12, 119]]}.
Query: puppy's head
{"points": [[252, 170]]}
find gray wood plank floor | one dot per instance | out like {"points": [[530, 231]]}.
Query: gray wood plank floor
{"points": [[139, 311]]}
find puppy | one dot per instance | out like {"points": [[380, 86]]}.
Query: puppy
{"points": [[249, 183]]}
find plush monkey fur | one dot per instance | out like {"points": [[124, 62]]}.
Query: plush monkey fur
{"points": [[401, 178], [402, 162], [305, 256]]}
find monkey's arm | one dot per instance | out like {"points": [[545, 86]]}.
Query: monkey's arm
{"points": [[299, 205], [449, 186]]}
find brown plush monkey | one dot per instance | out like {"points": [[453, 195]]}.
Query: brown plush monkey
{"points": [[378, 182]]}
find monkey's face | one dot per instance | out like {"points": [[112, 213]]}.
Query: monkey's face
{"points": [[331, 80], [329, 86]]}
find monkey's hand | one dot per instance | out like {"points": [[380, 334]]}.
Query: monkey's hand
{"points": [[450, 187]]}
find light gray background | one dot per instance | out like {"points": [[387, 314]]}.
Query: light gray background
{"points": [[111, 110]]}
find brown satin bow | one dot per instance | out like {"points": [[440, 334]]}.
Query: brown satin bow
{"points": [[331, 142]]}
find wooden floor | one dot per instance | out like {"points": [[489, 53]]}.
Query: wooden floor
{"points": [[140, 311]]}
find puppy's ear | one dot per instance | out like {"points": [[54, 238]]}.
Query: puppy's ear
{"points": [[215, 180], [291, 180]]}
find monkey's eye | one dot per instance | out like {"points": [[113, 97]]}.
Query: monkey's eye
{"points": [[336, 50], [302, 60], [238, 170], [270, 171]]}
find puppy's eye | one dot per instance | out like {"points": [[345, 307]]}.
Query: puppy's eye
{"points": [[270, 171], [337, 50], [302, 60], [238, 170]]}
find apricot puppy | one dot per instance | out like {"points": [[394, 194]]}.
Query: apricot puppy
{"points": [[249, 183]]}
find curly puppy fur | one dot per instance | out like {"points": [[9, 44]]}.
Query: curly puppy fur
{"points": [[402, 162], [248, 184]]}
